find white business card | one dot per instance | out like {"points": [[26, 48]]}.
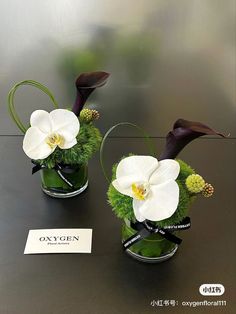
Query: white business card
{"points": [[59, 241]]}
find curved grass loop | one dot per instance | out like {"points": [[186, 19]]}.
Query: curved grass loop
{"points": [[144, 134], [11, 97]]}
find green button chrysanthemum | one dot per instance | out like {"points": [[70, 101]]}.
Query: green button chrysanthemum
{"points": [[195, 183], [86, 115]]}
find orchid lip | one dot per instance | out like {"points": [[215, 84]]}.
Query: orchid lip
{"points": [[140, 191], [54, 140]]}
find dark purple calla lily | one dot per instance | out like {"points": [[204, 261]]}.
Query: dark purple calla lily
{"points": [[86, 83], [184, 132]]}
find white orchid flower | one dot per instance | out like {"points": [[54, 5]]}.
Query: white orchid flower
{"points": [[49, 130], [151, 184]]}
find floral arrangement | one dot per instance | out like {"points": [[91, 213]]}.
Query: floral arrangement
{"points": [[161, 191], [63, 137], [154, 195]]}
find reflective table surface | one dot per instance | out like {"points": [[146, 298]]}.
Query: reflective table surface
{"points": [[108, 281]]}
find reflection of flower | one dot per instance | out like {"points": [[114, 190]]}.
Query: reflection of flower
{"points": [[151, 184], [49, 130]]}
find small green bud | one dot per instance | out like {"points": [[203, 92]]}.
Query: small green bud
{"points": [[195, 183], [86, 115]]}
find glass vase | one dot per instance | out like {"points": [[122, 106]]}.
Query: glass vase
{"points": [[153, 249], [69, 181]]}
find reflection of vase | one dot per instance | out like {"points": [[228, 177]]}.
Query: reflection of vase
{"points": [[67, 182], [152, 249]]}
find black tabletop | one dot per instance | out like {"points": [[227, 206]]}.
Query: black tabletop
{"points": [[107, 280]]}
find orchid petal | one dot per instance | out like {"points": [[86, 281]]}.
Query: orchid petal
{"points": [[122, 187], [68, 137], [86, 83], [126, 181], [168, 169], [139, 217], [184, 132], [34, 144], [161, 202], [68, 144], [41, 120], [64, 122], [140, 167]]}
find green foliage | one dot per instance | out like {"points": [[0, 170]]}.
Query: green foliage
{"points": [[122, 204], [88, 142], [185, 171]]}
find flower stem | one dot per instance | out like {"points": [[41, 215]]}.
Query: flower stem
{"points": [[11, 96]]}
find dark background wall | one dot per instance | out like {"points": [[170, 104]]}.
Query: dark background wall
{"points": [[168, 59]]}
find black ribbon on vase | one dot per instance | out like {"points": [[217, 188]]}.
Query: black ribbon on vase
{"points": [[146, 228], [61, 170]]}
